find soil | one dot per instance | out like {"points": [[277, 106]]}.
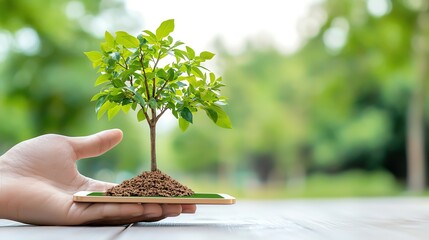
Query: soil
{"points": [[150, 184]]}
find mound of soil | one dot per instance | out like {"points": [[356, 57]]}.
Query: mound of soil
{"points": [[150, 184]]}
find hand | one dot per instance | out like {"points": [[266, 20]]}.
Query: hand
{"points": [[39, 176]]}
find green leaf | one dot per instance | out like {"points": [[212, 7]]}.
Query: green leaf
{"points": [[192, 80], [102, 79], [97, 96], [100, 103], [186, 114], [137, 96], [212, 78], [134, 105], [165, 28], [103, 109], [142, 39], [178, 43], [152, 103], [104, 47], [125, 75], [222, 118], [118, 83], [188, 69], [180, 53], [191, 52], [198, 72], [170, 40], [117, 97], [211, 114], [94, 55], [127, 40], [206, 55], [161, 74], [140, 98], [111, 113], [126, 108], [127, 101], [180, 84], [170, 74], [183, 124], [151, 38], [110, 40], [150, 75], [140, 115]]}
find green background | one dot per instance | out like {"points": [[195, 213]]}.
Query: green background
{"points": [[330, 120]]}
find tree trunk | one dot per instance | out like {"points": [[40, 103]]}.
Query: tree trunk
{"points": [[153, 164], [416, 167]]}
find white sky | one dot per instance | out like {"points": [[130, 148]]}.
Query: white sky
{"points": [[198, 23]]}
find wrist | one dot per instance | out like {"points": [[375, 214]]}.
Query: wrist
{"points": [[3, 191]]}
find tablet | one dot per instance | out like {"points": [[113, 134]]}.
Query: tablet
{"points": [[196, 198]]}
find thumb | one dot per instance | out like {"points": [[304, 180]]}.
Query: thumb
{"points": [[96, 144]]}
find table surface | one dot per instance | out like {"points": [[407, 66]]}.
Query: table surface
{"points": [[366, 218]]}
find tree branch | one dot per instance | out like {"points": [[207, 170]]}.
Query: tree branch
{"points": [[157, 60], [122, 66], [154, 87], [145, 77], [146, 115], [154, 117], [164, 109], [154, 79], [160, 90], [126, 65]]}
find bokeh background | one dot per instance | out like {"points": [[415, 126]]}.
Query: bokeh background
{"points": [[327, 98]]}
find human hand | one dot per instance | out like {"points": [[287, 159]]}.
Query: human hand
{"points": [[39, 176]]}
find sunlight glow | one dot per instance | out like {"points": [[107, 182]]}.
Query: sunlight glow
{"points": [[336, 36], [27, 41], [234, 22], [379, 8]]}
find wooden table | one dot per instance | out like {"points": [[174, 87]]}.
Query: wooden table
{"points": [[345, 219]]}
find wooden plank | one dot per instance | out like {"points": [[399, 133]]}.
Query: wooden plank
{"points": [[377, 218], [385, 218], [15, 230]]}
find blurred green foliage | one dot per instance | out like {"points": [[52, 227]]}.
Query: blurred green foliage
{"points": [[339, 103], [328, 120]]}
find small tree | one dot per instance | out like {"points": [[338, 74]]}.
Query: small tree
{"points": [[150, 74]]}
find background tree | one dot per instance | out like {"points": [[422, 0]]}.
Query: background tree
{"points": [[339, 103], [416, 154]]}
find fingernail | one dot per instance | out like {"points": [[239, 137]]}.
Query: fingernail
{"points": [[188, 212], [151, 215], [173, 215], [137, 214], [189, 209]]}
